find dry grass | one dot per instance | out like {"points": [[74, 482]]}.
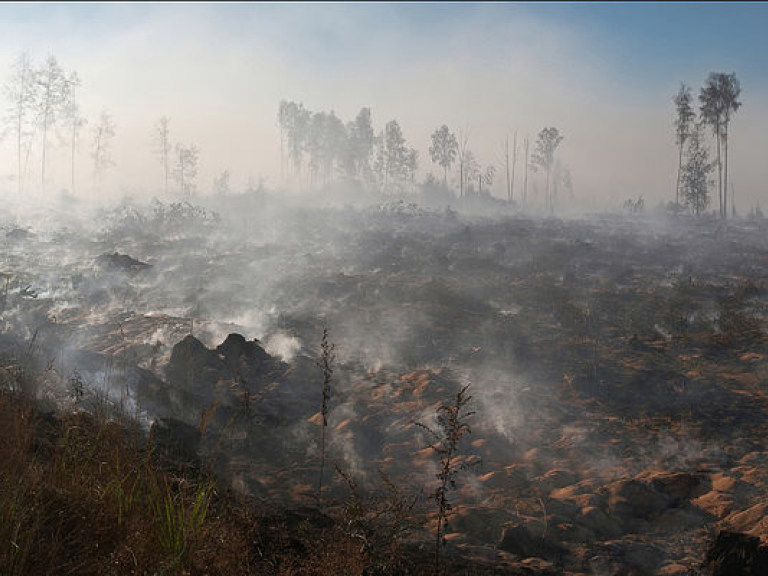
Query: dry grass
{"points": [[86, 495]]}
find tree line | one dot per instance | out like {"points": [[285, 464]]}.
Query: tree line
{"points": [[318, 149], [43, 103], [44, 111]]}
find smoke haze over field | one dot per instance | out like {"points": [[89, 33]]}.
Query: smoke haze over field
{"points": [[603, 75]]}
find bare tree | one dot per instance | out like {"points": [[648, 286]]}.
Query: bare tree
{"points": [[162, 140], [683, 122], [76, 121], [719, 99], [463, 155], [53, 95], [525, 181], [510, 177], [21, 91], [103, 133]]}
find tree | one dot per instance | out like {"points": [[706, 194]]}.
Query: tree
{"points": [[76, 121], [161, 137], [683, 121], [544, 156], [360, 143], [464, 154], [487, 177], [21, 91], [527, 164], [51, 102], [444, 149], [185, 168], [719, 99], [221, 184], [294, 122], [103, 133], [696, 172], [470, 170], [510, 181]]}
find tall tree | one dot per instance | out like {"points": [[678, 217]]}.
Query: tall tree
{"points": [[444, 149], [696, 172], [161, 136], [683, 124], [361, 139], [282, 122], [510, 177], [185, 168], [544, 156], [103, 132], [75, 119], [21, 91], [463, 155], [52, 100], [527, 164], [295, 125], [719, 100]]}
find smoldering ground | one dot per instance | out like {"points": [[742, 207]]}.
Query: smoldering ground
{"points": [[611, 358]]}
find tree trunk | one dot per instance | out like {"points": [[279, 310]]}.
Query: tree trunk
{"points": [[506, 167], [725, 172], [719, 174], [549, 200], [514, 163], [679, 168], [525, 181], [45, 134]]}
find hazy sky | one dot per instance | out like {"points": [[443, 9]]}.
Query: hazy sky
{"points": [[603, 74]]}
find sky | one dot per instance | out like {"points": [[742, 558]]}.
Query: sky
{"points": [[604, 74]]}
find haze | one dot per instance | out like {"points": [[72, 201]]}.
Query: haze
{"points": [[603, 74]]}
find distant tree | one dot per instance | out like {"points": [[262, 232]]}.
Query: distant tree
{"points": [[410, 166], [294, 122], [719, 99], [282, 123], [393, 155], [544, 155], [464, 154], [696, 172], [487, 177], [161, 137], [185, 168], [510, 178], [360, 145], [444, 149], [527, 165], [75, 120], [470, 171], [21, 90], [683, 126], [103, 132], [53, 94], [221, 184]]}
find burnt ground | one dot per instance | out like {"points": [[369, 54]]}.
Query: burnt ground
{"points": [[617, 364]]}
